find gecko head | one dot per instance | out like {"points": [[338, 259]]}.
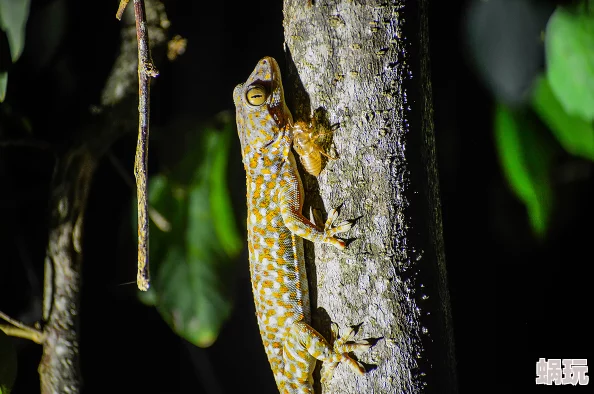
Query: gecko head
{"points": [[261, 110]]}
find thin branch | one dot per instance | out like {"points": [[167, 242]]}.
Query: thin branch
{"points": [[159, 220], [28, 333], [20, 330], [121, 8], [146, 70], [12, 321]]}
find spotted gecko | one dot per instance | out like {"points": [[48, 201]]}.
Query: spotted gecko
{"points": [[275, 231]]}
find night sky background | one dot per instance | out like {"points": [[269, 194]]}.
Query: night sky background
{"points": [[514, 298]]}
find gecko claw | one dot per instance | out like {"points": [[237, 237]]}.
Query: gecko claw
{"points": [[331, 230], [341, 228]]}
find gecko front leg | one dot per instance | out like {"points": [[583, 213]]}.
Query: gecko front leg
{"points": [[291, 204]]}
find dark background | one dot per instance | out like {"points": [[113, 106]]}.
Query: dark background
{"points": [[514, 298]]}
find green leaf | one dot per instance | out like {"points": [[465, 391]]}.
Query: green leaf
{"points": [[13, 20], [8, 363], [575, 134], [569, 44], [3, 83], [525, 159], [220, 201], [192, 263]]}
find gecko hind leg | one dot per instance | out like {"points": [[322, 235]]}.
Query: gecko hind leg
{"points": [[304, 342]]}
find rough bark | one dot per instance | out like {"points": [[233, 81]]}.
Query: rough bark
{"points": [[59, 368], [116, 116], [366, 64]]}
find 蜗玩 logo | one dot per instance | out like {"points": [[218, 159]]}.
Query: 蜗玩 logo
{"points": [[559, 372]]}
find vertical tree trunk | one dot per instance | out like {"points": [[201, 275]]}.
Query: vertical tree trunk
{"points": [[366, 64], [59, 367]]}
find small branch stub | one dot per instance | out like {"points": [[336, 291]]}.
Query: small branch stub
{"points": [[121, 8]]}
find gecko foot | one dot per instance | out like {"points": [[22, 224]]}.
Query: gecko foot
{"points": [[342, 348], [331, 230], [339, 228]]}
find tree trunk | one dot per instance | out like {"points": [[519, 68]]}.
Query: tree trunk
{"points": [[59, 367], [367, 67]]}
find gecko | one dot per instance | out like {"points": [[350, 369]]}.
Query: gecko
{"points": [[276, 229]]}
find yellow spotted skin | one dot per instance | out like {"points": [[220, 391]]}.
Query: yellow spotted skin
{"points": [[275, 231]]}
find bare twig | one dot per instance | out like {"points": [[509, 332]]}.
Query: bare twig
{"points": [[20, 330], [159, 220], [121, 8], [12, 321], [30, 333], [146, 70]]}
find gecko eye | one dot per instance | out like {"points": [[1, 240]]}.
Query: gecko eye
{"points": [[256, 95]]}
